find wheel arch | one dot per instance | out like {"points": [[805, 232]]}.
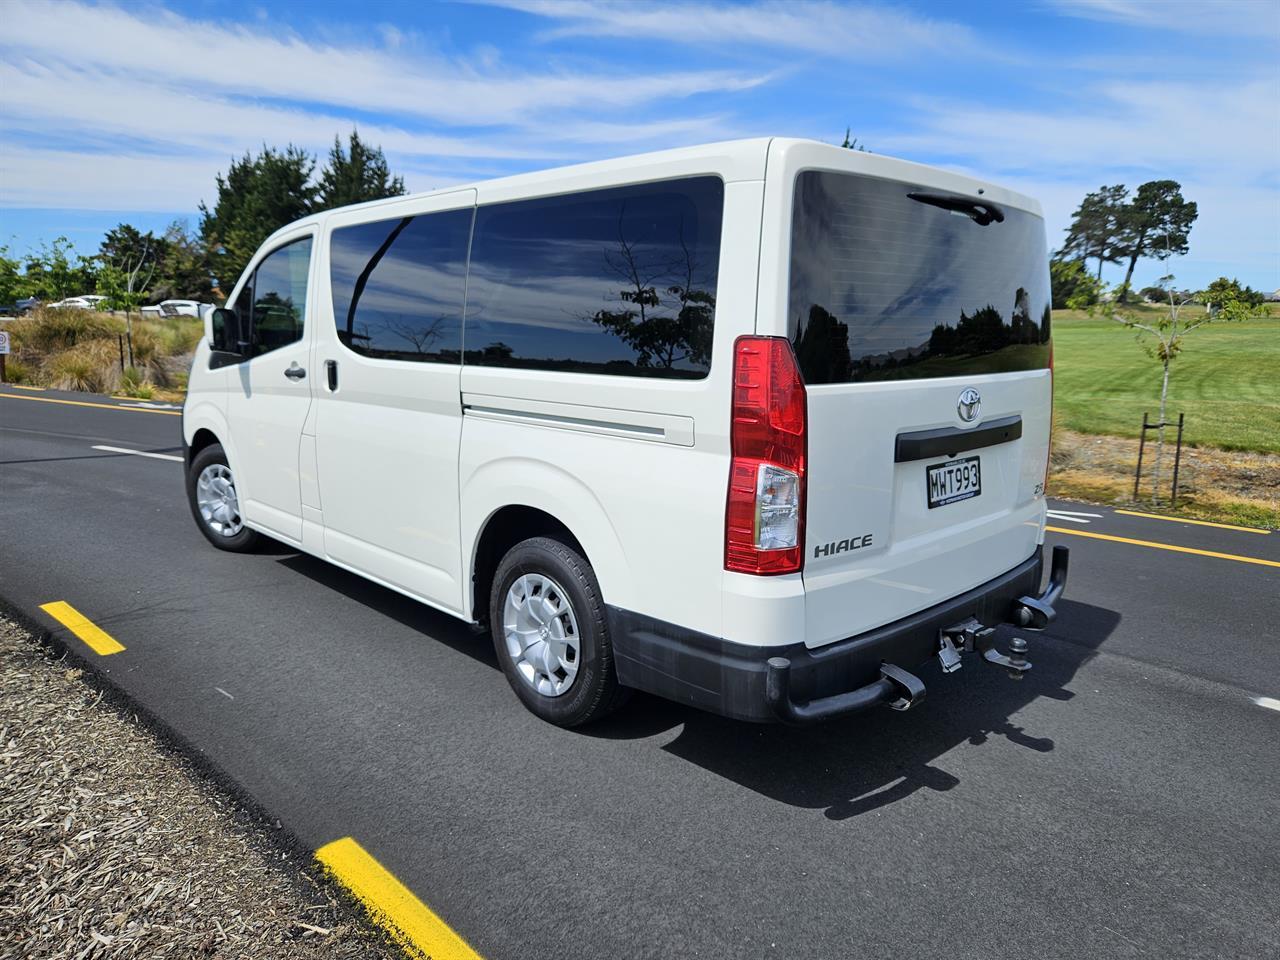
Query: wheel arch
{"points": [[204, 425], [501, 507]]}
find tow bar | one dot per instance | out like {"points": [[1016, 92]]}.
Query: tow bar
{"points": [[1030, 613], [902, 690]]}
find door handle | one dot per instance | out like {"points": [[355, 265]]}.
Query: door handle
{"points": [[295, 372], [331, 370]]}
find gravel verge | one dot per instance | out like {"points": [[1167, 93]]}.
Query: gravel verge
{"points": [[113, 846]]}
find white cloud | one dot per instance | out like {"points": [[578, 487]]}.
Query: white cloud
{"points": [[1219, 141], [98, 88], [274, 63], [32, 176], [1219, 17], [817, 26]]}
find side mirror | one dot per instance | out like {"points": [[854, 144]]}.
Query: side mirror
{"points": [[225, 335]]}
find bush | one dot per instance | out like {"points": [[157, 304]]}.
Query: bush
{"points": [[46, 329], [93, 367], [15, 371], [81, 350], [132, 384], [1072, 285]]}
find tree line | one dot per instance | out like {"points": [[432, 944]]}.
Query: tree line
{"points": [[1113, 226], [257, 195]]}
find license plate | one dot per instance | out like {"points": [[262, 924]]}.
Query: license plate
{"points": [[953, 481]]}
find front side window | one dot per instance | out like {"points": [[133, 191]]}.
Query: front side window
{"points": [[280, 297], [618, 281], [894, 281], [398, 286]]}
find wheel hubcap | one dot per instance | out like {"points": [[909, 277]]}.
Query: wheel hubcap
{"points": [[542, 634], [216, 498]]}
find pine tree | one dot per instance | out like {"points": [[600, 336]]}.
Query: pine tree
{"points": [[354, 175], [258, 196]]}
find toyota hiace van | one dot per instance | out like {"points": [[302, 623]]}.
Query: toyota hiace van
{"points": [[757, 426]]}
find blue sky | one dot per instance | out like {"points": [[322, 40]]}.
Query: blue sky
{"points": [[112, 112]]}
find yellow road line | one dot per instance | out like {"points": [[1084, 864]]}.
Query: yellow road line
{"points": [[1165, 546], [1198, 523], [25, 386], [85, 403], [99, 641], [391, 904]]}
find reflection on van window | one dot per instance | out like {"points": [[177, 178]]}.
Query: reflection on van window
{"points": [[618, 281], [280, 296], [885, 287], [398, 286]]}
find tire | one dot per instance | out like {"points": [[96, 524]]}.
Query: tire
{"points": [[559, 591], [226, 532]]}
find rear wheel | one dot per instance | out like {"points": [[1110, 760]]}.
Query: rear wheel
{"points": [[551, 634], [211, 492]]}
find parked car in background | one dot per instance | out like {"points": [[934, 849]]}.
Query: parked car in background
{"points": [[86, 302], [179, 308]]}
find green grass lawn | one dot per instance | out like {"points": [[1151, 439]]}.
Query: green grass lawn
{"points": [[1226, 381]]}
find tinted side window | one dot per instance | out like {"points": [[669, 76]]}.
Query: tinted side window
{"points": [[398, 286], [618, 281], [280, 297]]}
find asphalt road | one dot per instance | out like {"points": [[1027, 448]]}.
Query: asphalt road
{"points": [[1122, 801]]}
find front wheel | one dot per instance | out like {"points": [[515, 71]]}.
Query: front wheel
{"points": [[551, 634], [211, 492]]}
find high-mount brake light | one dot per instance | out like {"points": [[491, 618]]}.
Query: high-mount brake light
{"points": [[764, 517]]}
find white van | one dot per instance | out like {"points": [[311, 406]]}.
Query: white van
{"points": [[757, 426]]}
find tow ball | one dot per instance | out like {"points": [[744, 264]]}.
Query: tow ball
{"points": [[972, 635]]}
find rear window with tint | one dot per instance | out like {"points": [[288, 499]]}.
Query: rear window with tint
{"points": [[887, 287], [619, 281], [398, 286]]}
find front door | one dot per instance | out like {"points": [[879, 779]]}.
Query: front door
{"points": [[270, 392]]}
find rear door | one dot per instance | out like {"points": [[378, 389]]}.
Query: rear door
{"points": [[918, 307], [389, 415]]}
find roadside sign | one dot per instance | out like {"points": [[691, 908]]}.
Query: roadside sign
{"points": [[4, 342]]}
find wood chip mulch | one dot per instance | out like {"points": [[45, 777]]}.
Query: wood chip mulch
{"points": [[112, 846]]}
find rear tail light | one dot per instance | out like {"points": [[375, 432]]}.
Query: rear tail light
{"points": [[1048, 456], [764, 519]]}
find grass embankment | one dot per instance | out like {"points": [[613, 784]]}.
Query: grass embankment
{"points": [[1227, 382], [81, 350]]}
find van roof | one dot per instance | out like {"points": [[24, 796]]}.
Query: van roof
{"points": [[739, 159]]}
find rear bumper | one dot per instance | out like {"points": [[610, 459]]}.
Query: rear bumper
{"points": [[737, 680]]}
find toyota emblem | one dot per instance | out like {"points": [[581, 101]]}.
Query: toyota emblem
{"points": [[969, 405]]}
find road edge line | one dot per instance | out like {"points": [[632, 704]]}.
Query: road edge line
{"points": [[1198, 523], [86, 403], [1163, 546], [392, 905]]}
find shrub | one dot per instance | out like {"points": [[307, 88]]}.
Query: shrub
{"points": [[15, 371], [93, 367], [132, 384], [46, 329]]}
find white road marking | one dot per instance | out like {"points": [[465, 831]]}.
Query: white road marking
{"points": [[1073, 518], [153, 406], [1271, 703], [140, 453], [224, 693]]}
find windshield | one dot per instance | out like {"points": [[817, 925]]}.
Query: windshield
{"points": [[894, 281]]}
